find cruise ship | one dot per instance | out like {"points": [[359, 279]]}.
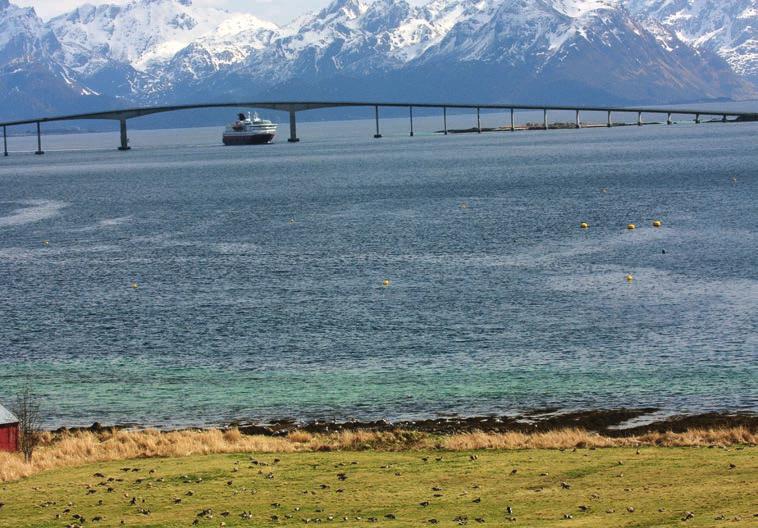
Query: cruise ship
{"points": [[249, 130]]}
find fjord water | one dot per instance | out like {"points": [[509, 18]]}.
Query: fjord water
{"points": [[260, 274]]}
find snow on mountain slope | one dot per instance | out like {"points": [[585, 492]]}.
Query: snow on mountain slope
{"points": [[575, 8], [347, 35], [359, 37], [225, 47], [430, 23], [140, 33], [726, 27], [24, 36], [519, 31], [339, 30], [570, 49], [32, 77], [173, 38]]}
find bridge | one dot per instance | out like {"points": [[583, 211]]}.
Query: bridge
{"points": [[293, 107]]}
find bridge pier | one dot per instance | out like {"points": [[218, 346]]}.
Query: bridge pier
{"points": [[578, 122], [39, 141], [376, 117], [5, 142], [668, 119], [513, 121], [293, 128], [697, 119], [639, 118], [410, 111], [544, 118], [723, 119], [610, 123], [478, 121], [124, 139], [444, 119]]}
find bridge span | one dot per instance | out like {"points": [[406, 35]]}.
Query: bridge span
{"points": [[293, 107]]}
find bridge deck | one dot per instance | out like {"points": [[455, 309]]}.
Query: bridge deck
{"points": [[292, 107], [298, 106]]}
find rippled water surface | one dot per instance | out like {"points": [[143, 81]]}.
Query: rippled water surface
{"points": [[260, 273]]}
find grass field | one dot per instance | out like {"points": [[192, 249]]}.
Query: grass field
{"points": [[606, 487]]}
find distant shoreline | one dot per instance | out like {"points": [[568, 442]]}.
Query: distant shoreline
{"points": [[614, 423]]}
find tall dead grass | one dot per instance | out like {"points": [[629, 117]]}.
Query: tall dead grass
{"points": [[79, 448], [86, 447], [579, 438]]}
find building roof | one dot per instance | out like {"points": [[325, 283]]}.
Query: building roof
{"points": [[7, 417]]}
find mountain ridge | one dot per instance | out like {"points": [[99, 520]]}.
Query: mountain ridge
{"points": [[167, 51]]}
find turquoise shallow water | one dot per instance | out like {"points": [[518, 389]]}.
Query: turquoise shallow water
{"points": [[260, 274]]}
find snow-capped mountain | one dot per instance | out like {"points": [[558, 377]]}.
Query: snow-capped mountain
{"points": [[24, 36], [225, 47], [518, 31], [122, 49], [140, 33], [389, 48], [572, 49], [728, 28], [348, 37], [32, 76], [151, 51]]}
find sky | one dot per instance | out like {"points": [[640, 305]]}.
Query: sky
{"points": [[278, 11]]}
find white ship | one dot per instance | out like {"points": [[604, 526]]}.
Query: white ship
{"points": [[249, 130]]}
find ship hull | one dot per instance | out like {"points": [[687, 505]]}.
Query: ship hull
{"points": [[247, 139]]}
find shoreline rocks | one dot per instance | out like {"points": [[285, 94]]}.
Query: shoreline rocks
{"points": [[607, 422]]}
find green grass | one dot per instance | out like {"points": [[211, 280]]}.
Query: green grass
{"points": [[660, 484]]}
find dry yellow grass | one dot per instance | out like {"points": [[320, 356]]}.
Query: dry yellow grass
{"points": [[300, 437], [79, 448], [570, 438], [86, 447]]}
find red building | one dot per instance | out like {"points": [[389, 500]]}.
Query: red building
{"points": [[8, 430]]}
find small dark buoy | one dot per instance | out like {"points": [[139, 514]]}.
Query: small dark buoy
{"points": [[663, 251]]}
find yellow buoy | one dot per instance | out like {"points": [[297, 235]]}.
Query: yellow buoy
{"points": [[629, 277], [584, 225], [631, 226], [386, 282], [657, 223], [135, 285], [45, 243]]}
